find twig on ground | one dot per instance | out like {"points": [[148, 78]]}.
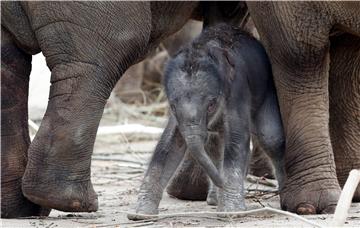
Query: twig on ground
{"points": [[106, 158], [223, 214], [129, 128], [157, 219], [260, 193], [117, 159], [143, 224], [271, 196], [346, 196], [260, 180], [256, 200]]}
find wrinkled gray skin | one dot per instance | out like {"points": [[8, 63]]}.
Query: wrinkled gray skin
{"points": [[218, 86], [88, 46], [314, 48]]}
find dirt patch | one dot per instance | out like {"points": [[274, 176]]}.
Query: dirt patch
{"points": [[117, 170]]}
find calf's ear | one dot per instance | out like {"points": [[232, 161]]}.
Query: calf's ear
{"points": [[225, 61]]}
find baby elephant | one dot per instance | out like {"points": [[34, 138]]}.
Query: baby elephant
{"points": [[219, 87]]}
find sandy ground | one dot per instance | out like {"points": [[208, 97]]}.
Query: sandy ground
{"points": [[117, 170]]}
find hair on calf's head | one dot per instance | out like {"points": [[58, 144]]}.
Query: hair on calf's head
{"points": [[206, 61], [191, 72]]}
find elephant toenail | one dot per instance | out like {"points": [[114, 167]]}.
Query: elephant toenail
{"points": [[76, 204], [305, 209]]}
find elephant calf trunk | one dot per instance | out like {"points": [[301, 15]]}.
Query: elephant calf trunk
{"points": [[196, 148]]}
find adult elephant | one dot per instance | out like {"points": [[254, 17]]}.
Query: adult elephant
{"points": [[88, 46], [314, 49]]}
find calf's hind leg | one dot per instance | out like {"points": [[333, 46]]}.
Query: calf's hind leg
{"points": [[167, 157], [344, 89], [15, 71], [269, 134], [190, 182], [260, 164]]}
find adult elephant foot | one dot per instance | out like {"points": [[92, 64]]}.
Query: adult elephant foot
{"points": [[58, 171], [319, 198], [57, 174], [62, 195], [344, 89], [189, 182], [15, 71]]}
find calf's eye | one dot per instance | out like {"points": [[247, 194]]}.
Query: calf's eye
{"points": [[211, 106], [172, 107]]}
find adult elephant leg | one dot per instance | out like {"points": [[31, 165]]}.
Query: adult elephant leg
{"points": [[15, 71], [86, 58], [300, 62], [311, 185], [58, 171], [344, 89]]}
